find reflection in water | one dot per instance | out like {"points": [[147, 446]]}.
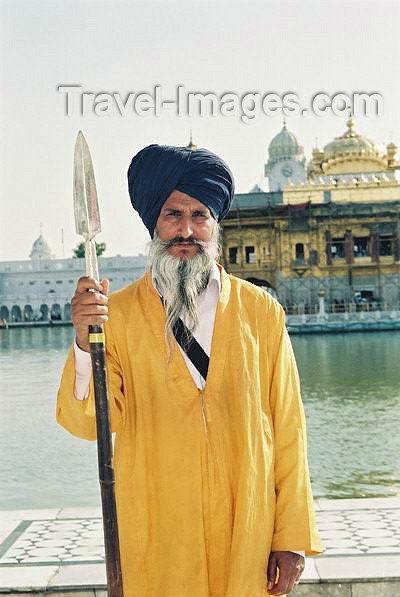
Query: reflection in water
{"points": [[350, 388], [351, 394], [41, 338]]}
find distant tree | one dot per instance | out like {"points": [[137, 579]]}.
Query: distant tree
{"points": [[79, 251]]}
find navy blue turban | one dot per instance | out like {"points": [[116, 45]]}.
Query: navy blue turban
{"points": [[159, 169]]}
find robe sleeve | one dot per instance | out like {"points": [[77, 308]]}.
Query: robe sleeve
{"points": [[78, 416], [295, 525]]}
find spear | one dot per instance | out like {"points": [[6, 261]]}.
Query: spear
{"points": [[87, 224]]}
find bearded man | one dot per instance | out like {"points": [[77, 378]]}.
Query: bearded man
{"points": [[212, 485]]}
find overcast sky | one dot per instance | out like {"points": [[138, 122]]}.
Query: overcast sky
{"points": [[120, 47]]}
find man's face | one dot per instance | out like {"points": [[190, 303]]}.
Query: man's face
{"points": [[184, 219]]}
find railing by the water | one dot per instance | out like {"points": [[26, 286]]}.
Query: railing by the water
{"points": [[352, 320], [350, 308]]}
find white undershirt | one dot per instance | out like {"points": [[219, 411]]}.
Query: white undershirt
{"points": [[207, 306]]}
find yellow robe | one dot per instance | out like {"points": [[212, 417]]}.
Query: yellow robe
{"points": [[207, 482]]}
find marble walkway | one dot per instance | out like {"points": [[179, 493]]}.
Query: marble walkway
{"points": [[58, 550]]}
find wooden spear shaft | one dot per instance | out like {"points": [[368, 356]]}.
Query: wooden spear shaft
{"points": [[105, 460]]}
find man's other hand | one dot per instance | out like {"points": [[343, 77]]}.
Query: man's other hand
{"points": [[89, 307], [283, 571]]}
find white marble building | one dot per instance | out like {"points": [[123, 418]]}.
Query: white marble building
{"points": [[41, 288]]}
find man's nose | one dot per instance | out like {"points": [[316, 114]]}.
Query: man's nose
{"points": [[185, 227]]}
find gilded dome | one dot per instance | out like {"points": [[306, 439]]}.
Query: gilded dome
{"points": [[350, 144], [40, 249], [285, 146]]}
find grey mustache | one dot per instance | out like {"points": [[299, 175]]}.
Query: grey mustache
{"points": [[178, 240]]}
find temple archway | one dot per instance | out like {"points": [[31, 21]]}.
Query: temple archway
{"points": [[55, 312], [4, 313], [44, 312], [28, 313], [67, 312], [16, 314]]}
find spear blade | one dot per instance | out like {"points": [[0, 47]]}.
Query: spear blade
{"points": [[86, 208]]}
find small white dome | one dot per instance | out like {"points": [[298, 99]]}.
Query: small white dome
{"points": [[285, 146], [40, 249]]}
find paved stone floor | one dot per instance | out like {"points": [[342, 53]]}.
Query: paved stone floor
{"points": [[63, 548]]}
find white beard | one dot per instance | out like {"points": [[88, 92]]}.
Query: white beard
{"points": [[180, 280]]}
